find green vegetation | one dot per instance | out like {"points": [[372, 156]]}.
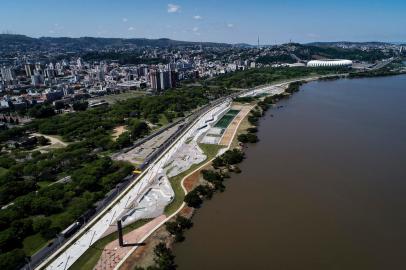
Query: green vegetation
{"points": [[255, 77], [215, 178], [177, 227], [39, 211], [80, 105], [340, 53], [271, 59], [247, 138], [230, 157], [389, 70], [210, 150], [164, 259], [111, 99], [39, 207], [89, 259], [33, 243]]}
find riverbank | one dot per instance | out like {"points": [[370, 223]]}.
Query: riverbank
{"points": [[143, 257], [295, 194], [181, 187]]}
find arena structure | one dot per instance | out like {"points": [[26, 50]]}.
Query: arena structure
{"points": [[330, 63]]}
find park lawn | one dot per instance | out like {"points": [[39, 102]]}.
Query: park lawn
{"points": [[211, 151], [92, 255], [43, 184], [3, 171], [163, 121], [123, 96], [33, 243]]}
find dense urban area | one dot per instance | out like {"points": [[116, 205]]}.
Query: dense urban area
{"points": [[82, 118]]}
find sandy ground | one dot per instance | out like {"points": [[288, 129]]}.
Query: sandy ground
{"points": [[117, 131], [242, 128], [54, 143], [229, 133], [194, 179], [113, 253]]}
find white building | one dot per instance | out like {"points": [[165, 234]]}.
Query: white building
{"points": [[330, 63]]}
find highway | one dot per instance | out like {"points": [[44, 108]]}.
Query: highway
{"points": [[93, 230], [63, 253]]}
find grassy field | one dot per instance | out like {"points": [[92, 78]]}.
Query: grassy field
{"points": [[2, 171], [122, 96], [90, 258], [210, 150], [33, 243]]}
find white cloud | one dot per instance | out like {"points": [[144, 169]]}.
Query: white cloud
{"points": [[230, 25], [195, 29], [131, 28], [172, 8], [125, 20], [197, 17]]}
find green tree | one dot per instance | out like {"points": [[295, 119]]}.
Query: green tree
{"points": [[164, 258], [12, 260]]}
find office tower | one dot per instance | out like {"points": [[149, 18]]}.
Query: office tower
{"points": [[29, 70], [7, 74], [165, 79], [155, 79]]}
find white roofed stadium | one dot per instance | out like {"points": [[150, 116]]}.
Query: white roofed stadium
{"points": [[330, 63]]}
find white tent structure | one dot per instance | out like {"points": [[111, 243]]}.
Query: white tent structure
{"points": [[330, 63]]}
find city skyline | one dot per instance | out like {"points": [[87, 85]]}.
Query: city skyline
{"points": [[230, 22]]}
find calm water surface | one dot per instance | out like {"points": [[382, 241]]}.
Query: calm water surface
{"points": [[325, 188]]}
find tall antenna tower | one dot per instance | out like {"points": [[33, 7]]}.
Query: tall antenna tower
{"points": [[258, 42]]}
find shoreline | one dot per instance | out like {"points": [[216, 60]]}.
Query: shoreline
{"points": [[171, 216], [232, 145], [235, 141], [198, 248]]}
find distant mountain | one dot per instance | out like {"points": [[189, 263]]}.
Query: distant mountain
{"points": [[348, 43], [9, 40]]}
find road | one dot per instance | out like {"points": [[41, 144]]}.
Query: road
{"points": [[77, 245], [72, 249]]}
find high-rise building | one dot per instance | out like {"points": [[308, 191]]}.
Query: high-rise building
{"points": [[36, 79], [29, 70], [49, 73], [165, 79], [173, 76], [155, 79], [7, 74], [162, 79], [79, 63]]}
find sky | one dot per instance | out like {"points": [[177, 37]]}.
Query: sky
{"points": [[230, 21]]}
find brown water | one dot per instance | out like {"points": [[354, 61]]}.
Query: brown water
{"points": [[325, 188]]}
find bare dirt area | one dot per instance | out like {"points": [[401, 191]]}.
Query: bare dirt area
{"points": [[54, 141], [117, 131], [194, 179]]}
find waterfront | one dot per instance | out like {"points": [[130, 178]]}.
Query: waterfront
{"points": [[323, 189]]}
